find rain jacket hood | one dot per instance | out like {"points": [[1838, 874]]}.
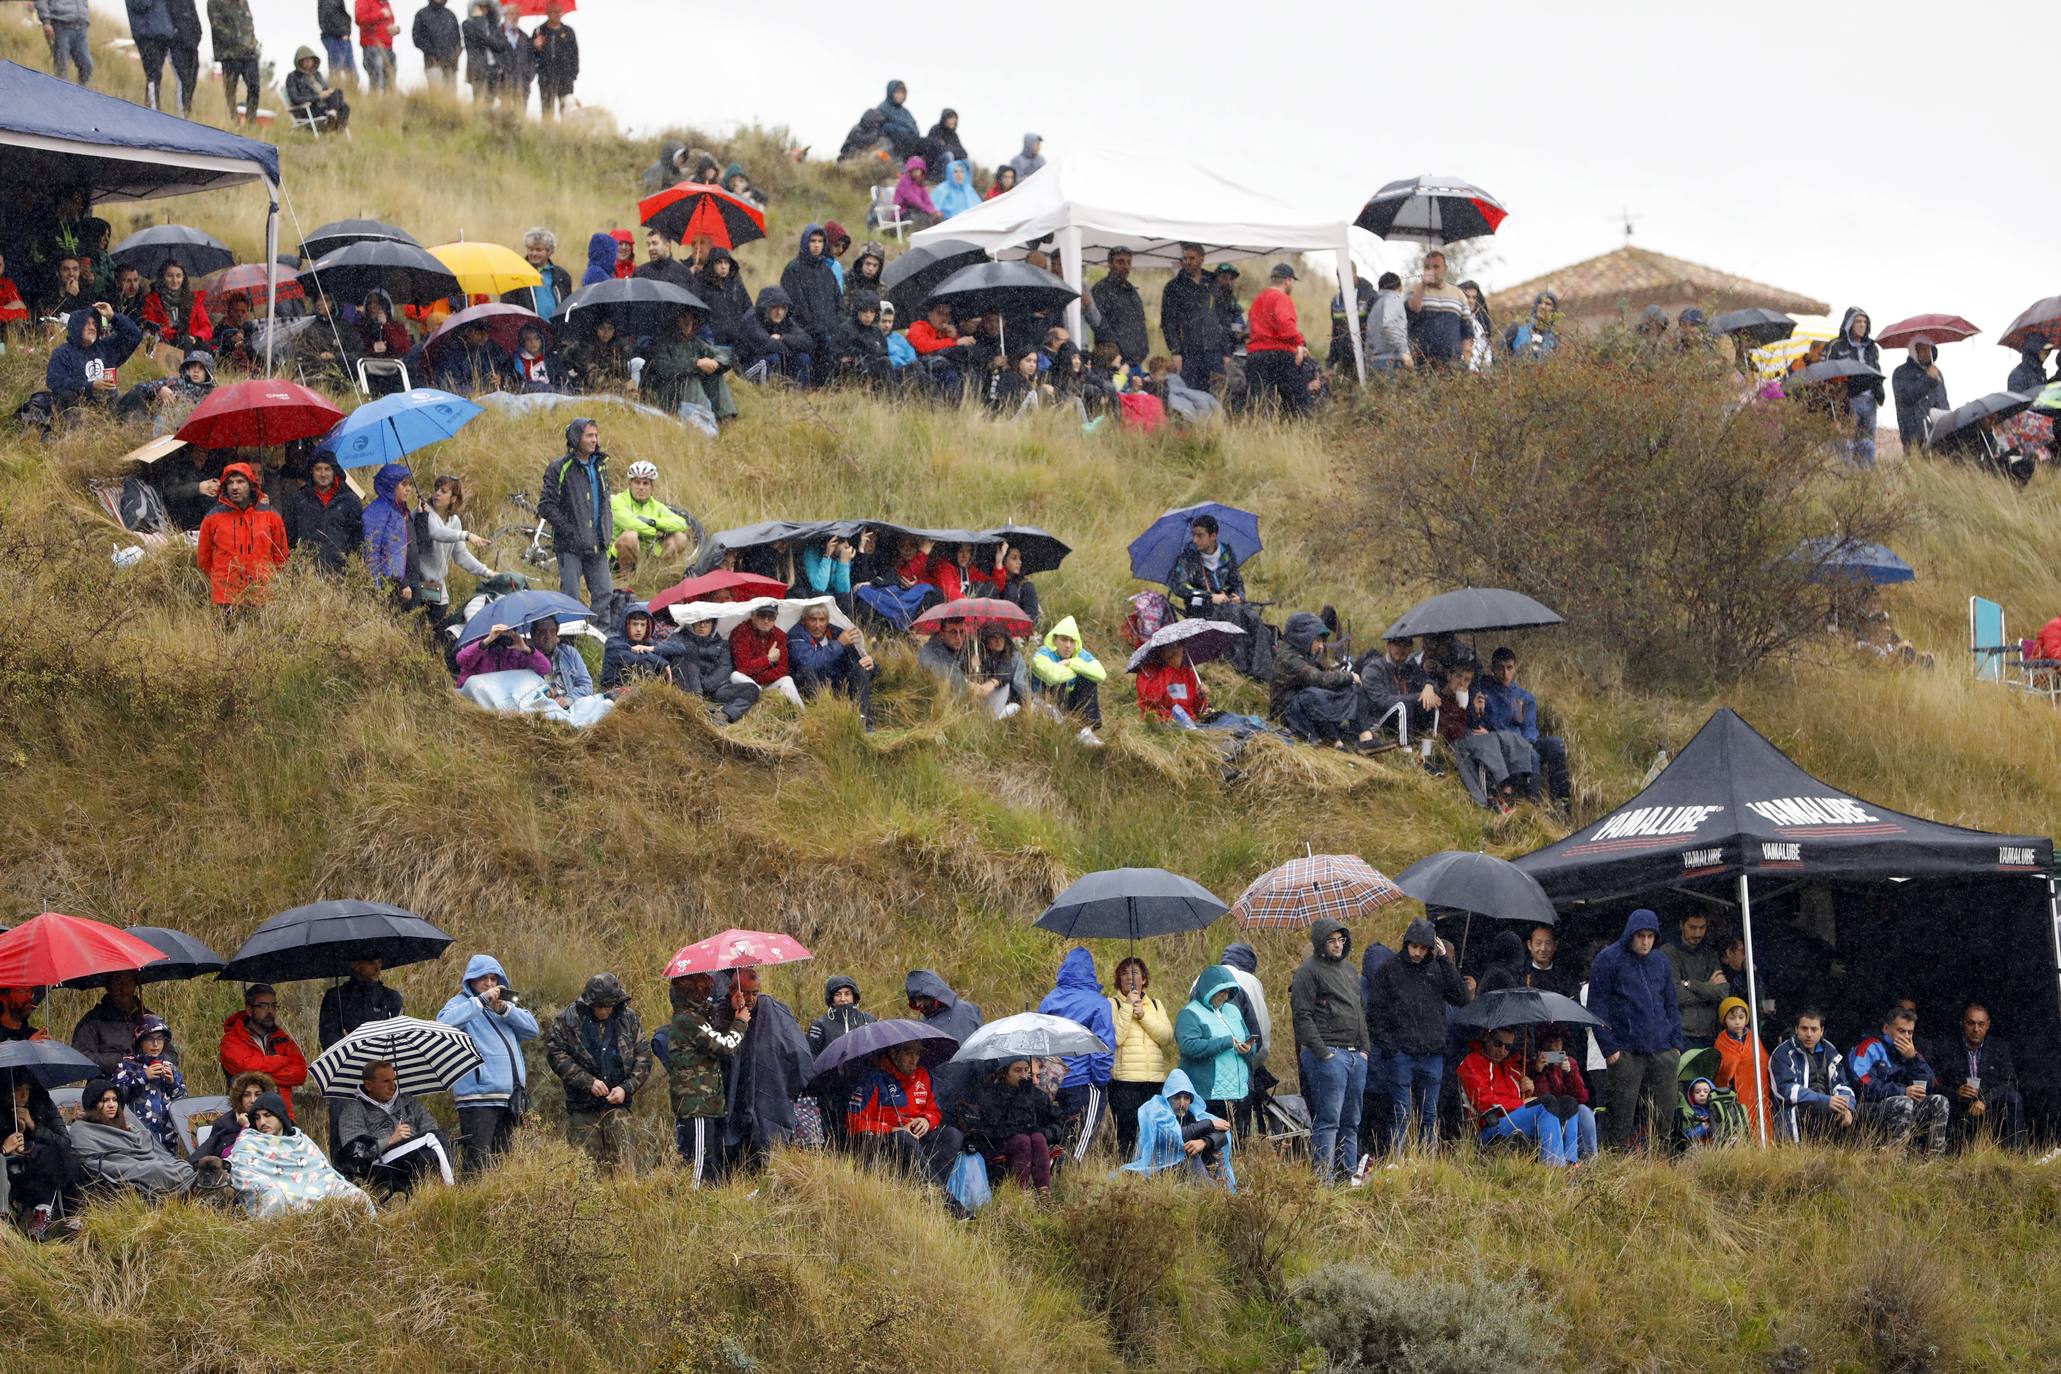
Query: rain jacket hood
{"points": [[770, 296], [250, 474], [1213, 980], [1241, 956], [1077, 996], [1303, 631], [1066, 628], [75, 327], [836, 981], [1422, 932], [956, 192], [387, 481], [801, 245], [604, 990], [1176, 1084], [149, 1023], [479, 966], [1642, 919], [1846, 324], [923, 983], [600, 259], [572, 434], [1321, 930]]}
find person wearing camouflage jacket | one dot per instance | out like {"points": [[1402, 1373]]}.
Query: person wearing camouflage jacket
{"points": [[597, 1048], [704, 1035]]}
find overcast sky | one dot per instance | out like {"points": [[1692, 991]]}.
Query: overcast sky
{"points": [[1882, 154]]}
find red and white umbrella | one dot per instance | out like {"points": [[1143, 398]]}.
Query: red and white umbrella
{"points": [[736, 949]]}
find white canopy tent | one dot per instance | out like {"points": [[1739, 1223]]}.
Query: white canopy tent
{"points": [[1089, 203]]}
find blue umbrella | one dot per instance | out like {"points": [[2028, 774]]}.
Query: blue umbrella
{"points": [[50, 1062], [1153, 552], [1850, 558], [520, 609], [392, 427], [874, 1037]]}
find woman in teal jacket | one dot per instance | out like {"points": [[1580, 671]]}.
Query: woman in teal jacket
{"points": [[1216, 1048]]}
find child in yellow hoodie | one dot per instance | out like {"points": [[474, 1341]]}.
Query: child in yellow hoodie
{"points": [[1070, 677]]}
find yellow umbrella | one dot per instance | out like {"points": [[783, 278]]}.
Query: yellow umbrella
{"points": [[486, 269], [1775, 359]]}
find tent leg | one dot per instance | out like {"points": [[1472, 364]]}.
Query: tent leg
{"points": [[1760, 1118], [271, 280], [2054, 920], [1070, 268], [1349, 293]]}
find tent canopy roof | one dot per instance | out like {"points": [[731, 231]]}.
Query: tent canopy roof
{"points": [[1147, 203], [1733, 803], [63, 135]]}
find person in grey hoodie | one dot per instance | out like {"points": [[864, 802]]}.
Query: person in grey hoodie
{"points": [[932, 998], [1331, 1046], [1388, 327], [1026, 162]]}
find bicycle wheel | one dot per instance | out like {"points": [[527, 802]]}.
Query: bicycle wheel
{"points": [[507, 548]]}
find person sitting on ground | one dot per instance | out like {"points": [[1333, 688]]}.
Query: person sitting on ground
{"points": [[129, 292], [1216, 1046], [945, 354], [309, 94], [177, 311], [1144, 1049], [1896, 1086], [821, 657], [828, 571], [597, 1048], [1004, 182], [1495, 765], [645, 526], [1072, 677], [597, 361], [114, 1149], [471, 365], [1500, 1101], [1010, 584], [688, 367], [1743, 1066], [1507, 706], [244, 1092], [386, 1136], [663, 263], [325, 515], [276, 1170], [321, 351], [859, 350], [1000, 671], [531, 365], [1811, 1095], [864, 273], [84, 368], [505, 648], [1169, 690], [632, 654], [1206, 583], [1012, 1119], [703, 666], [254, 1042], [1173, 1129], [699, 1044], [166, 402], [944, 655], [149, 1081], [894, 1114], [1317, 703], [759, 652], [771, 344], [104, 1034], [1981, 1082], [43, 1176], [242, 540], [569, 679]]}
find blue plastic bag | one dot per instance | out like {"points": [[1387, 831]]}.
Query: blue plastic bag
{"points": [[968, 1184]]}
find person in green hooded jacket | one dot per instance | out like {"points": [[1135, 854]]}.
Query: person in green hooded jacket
{"points": [[686, 367], [1071, 678], [1215, 1044]]}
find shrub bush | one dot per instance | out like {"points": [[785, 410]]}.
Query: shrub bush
{"points": [[1372, 1321]]}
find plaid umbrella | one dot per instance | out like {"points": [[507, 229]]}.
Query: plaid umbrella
{"points": [[736, 949], [1299, 892], [428, 1056], [250, 279], [2040, 322]]}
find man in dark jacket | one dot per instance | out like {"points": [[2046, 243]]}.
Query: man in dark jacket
{"points": [[820, 657], [1390, 677], [574, 501], [326, 515], [812, 290], [1407, 999], [1205, 583], [1189, 322], [859, 352], [702, 666], [1700, 982], [1331, 1048], [932, 998], [104, 1033], [840, 1018], [1899, 1091], [487, 54], [1863, 394], [1317, 703], [438, 39], [1975, 1073], [1122, 310], [360, 998], [1632, 989], [558, 61], [333, 18], [1919, 390], [597, 1048], [2030, 375], [661, 263], [771, 343], [85, 367]]}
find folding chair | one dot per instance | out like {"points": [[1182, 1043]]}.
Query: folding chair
{"points": [[192, 1116], [1986, 641], [2041, 675], [391, 375], [304, 117], [887, 215]]}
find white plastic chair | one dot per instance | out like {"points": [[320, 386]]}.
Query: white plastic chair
{"points": [[887, 216], [391, 369], [191, 1116]]}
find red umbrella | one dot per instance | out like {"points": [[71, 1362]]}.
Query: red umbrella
{"points": [[1934, 329], [248, 279], [736, 949], [681, 212], [259, 413], [503, 322], [534, 9], [742, 586], [53, 948], [978, 612]]}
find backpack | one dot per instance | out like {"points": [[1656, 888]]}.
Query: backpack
{"points": [[141, 508], [1148, 615]]}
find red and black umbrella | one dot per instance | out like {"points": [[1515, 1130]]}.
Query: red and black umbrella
{"points": [[504, 323], [742, 586], [2041, 323], [1933, 329], [978, 612], [1431, 209], [690, 209], [259, 413], [250, 279]]}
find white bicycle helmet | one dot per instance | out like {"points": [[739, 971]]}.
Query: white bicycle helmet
{"points": [[644, 469]]}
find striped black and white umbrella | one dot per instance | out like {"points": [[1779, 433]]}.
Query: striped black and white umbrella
{"points": [[428, 1056]]}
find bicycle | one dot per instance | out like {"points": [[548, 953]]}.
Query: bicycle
{"points": [[530, 542]]}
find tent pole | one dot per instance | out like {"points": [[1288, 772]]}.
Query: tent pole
{"points": [[1070, 268], [271, 278], [1349, 294], [2054, 921], [1760, 1118]]}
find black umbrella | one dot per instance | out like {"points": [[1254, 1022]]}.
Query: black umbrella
{"points": [[404, 271], [147, 250], [1041, 552], [1013, 288], [1831, 370], [1508, 1007], [1757, 326], [638, 305], [321, 939], [910, 278], [1130, 904], [2041, 323], [1480, 884], [875, 1037], [1432, 209], [331, 237], [1956, 425], [1469, 609], [185, 957], [50, 1062]]}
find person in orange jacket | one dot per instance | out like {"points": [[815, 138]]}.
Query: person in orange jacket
{"points": [[253, 1042], [242, 540], [1737, 1068]]}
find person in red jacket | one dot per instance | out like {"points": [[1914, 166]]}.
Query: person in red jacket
{"points": [[1169, 690], [376, 38], [893, 1111], [242, 540], [178, 311], [1501, 1100], [252, 1042], [1275, 349], [758, 654]]}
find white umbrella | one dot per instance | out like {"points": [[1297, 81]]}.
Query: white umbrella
{"points": [[428, 1056], [1029, 1035], [728, 615]]}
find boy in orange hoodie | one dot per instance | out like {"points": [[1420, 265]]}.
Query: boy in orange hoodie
{"points": [[1737, 1068]]}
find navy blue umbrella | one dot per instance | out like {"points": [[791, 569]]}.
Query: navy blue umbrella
{"points": [[519, 610], [1130, 904], [877, 1037], [321, 939], [185, 957], [1153, 552], [50, 1062], [1831, 557]]}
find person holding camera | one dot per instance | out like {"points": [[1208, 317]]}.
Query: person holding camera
{"points": [[505, 648], [492, 1099]]}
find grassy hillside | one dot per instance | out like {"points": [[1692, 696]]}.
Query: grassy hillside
{"points": [[158, 767]]}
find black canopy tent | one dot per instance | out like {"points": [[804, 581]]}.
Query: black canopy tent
{"points": [[1732, 813], [61, 135]]}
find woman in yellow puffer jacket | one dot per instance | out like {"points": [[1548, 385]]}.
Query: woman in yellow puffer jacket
{"points": [[1144, 1049]]}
